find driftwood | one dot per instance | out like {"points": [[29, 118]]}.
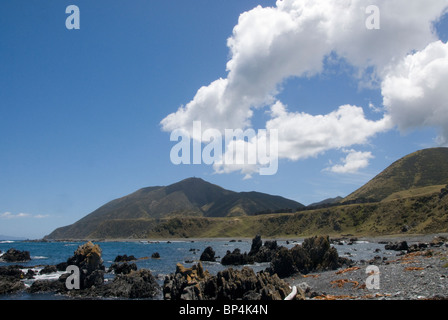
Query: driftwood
{"points": [[292, 294]]}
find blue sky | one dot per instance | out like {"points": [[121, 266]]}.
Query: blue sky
{"points": [[82, 111]]}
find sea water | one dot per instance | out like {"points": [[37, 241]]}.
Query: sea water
{"points": [[171, 252]]}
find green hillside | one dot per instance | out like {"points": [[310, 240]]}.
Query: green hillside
{"points": [[413, 215], [428, 167], [410, 196], [191, 197]]}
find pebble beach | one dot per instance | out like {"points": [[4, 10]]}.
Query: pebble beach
{"points": [[403, 275]]}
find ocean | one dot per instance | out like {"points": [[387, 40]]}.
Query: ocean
{"points": [[171, 252]]}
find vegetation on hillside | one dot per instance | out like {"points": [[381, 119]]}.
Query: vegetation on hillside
{"points": [[410, 196], [413, 215]]}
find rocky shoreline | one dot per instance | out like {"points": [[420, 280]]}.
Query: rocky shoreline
{"points": [[417, 271], [416, 268]]}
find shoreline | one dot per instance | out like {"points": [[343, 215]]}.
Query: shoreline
{"points": [[370, 238], [406, 275], [425, 278]]}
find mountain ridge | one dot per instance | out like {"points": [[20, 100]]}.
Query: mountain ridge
{"points": [[410, 195], [191, 197]]}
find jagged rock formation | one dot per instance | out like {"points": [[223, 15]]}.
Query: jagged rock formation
{"points": [[230, 284]]}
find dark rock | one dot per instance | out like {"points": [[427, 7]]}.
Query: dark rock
{"points": [[155, 255], [438, 241], [124, 258], [30, 274], [57, 286], [267, 252], [208, 255], [236, 258], [258, 253], [95, 278], [10, 284], [315, 254], [10, 279], [397, 246], [62, 266], [256, 245], [421, 246], [88, 259], [175, 285], [139, 284], [48, 269], [12, 271], [229, 284], [122, 268], [13, 255], [376, 260], [284, 264]]}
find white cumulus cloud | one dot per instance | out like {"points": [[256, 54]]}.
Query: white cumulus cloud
{"points": [[353, 162], [270, 45], [302, 135], [415, 90]]}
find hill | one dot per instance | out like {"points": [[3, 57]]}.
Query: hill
{"points": [[412, 215], [424, 168], [409, 196], [325, 202], [191, 197]]}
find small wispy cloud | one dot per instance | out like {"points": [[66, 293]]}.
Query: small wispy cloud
{"points": [[9, 215], [352, 163], [41, 216]]}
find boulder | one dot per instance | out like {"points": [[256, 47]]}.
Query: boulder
{"points": [[140, 284], [267, 252], [123, 268], [397, 246], [88, 259], [315, 254], [10, 279], [13, 255], [256, 245], [236, 258], [208, 254], [57, 286], [259, 252], [177, 286], [421, 246], [124, 258], [155, 255], [62, 266], [283, 264], [12, 271], [438, 241], [10, 284], [229, 284], [48, 269]]}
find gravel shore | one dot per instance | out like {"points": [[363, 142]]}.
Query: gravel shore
{"points": [[413, 274]]}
